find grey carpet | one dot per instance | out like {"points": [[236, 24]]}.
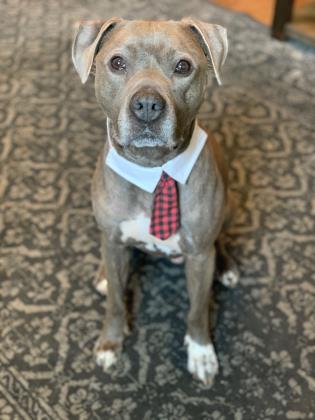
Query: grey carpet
{"points": [[51, 132]]}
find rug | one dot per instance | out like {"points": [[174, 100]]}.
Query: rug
{"points": [[50, 316]]}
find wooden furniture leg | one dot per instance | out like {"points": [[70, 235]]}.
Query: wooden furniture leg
{"points": [[282, 15]]}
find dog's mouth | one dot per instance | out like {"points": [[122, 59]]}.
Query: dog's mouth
{"points": [[146, 140], [143, 144], [146, 137]]}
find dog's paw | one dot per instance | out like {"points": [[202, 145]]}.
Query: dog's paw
{"points": [[106, 353], [100, 280], [202, 361], [106, 359], [229, 278], [101, 286]]}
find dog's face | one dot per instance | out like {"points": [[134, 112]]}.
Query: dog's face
{"points": [[150, 80]]}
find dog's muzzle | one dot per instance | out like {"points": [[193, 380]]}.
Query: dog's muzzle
{"points": [[147, 107]]}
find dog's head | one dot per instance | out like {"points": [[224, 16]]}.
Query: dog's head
{"points": [[150, 79]]}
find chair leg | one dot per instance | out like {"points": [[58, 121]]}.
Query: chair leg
{"points": [[282, 15]]}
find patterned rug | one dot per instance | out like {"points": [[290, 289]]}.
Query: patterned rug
{"points": [[50, 316]]}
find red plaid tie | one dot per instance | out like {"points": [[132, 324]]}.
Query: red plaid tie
{"points": [[165, 213]]}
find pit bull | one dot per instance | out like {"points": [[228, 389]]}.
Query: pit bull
{"points": [[150, 80]]}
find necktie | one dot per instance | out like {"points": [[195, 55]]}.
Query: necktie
{"points": [[165, 212]]}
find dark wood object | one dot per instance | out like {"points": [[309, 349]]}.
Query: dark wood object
{"points": [[282, 16]]}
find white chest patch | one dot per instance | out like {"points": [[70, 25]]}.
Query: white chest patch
{"points": [[138, 230]]}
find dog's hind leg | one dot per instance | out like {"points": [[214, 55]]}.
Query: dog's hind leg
{"points": [[227, 271], [100, 281]]}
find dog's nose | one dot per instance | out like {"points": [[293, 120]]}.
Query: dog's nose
{"points": [[147, 104]]}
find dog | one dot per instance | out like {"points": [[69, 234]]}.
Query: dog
{"points": [[150, 80]]}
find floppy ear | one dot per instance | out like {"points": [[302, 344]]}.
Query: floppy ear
{"points": [[213, 40], [86, 40]]}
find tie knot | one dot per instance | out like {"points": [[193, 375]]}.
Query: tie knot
{"points": [[164, 176]]}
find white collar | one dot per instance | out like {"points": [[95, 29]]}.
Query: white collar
{"points": [[146, 178]]}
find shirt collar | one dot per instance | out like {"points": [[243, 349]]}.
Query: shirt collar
{"points": [[179, 168]]}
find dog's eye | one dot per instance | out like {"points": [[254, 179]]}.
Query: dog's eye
{"points": [[118, 63], [183, 67]]}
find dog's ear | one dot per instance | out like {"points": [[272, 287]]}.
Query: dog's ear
{"points": [[214, 42], [86, 40]]}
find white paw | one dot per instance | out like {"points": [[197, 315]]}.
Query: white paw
{"points": [[101, 287], [106, 358], [229, 278], [202, 360]]}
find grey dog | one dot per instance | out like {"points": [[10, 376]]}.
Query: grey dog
{"points": [[150, 80]]}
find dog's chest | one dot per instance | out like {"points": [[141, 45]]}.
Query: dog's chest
{"points": [[136, 231]]}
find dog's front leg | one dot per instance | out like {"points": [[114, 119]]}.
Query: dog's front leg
{"points": [[202, 360], [116, 260]]}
